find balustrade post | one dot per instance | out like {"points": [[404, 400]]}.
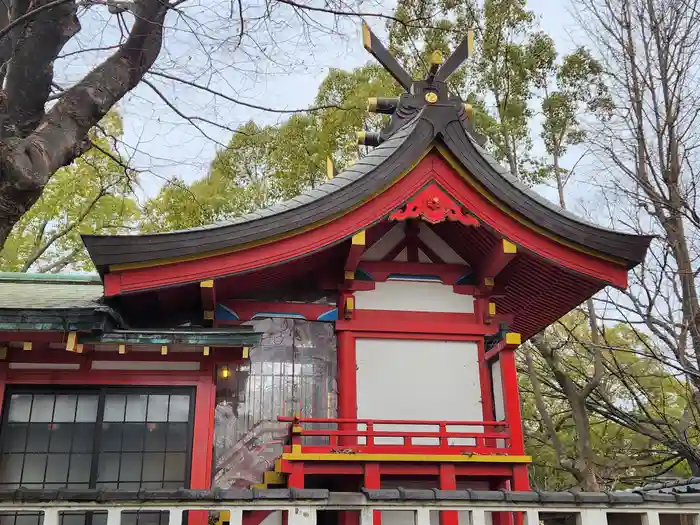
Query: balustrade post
{"points": [[651, 517]]}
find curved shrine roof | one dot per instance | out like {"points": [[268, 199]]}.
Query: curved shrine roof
{"points": [[443, 124]]}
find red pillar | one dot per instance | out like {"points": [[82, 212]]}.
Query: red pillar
{"points": [[511, 400], [347, 409], [347, 384], [347, 376], [448, 481], [203, 438], [373, 481]]}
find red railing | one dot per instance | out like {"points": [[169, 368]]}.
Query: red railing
{"points": [[324, 435]]}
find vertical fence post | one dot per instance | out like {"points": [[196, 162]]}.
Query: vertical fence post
{"points": [[175, 516], [422, 516], [592, 517], [651, 517], [478, 517], [302, 515], [532, 517], [114, 516], [50, 516]]}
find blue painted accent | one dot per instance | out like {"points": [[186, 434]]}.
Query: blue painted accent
{"points": [[330, 315], [402, 277], [466, 279], [363, 275], [224, 313], [262, 315]]}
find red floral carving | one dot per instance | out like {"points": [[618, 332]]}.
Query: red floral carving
{"points": [[433, 205]]}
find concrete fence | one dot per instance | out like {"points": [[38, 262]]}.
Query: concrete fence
{"points": [[405, 507]]}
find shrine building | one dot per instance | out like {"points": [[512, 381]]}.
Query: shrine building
{"points": [[362, 334]]}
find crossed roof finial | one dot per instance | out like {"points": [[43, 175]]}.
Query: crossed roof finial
{"points": [[439, 71]]}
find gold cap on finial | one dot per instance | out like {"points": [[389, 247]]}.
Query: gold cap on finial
{"points": [[330, 170], [366, 37], [470, 42], [372, 104], [436, 58]]}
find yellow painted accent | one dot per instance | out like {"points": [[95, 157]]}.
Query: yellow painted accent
{"points": [[359, 238], [492, 308], [436, 58], [372, 104], [27, 346], [296, 429], [258, 486], [433, 458], [246, 352], [274, 478], [488, 281], [470, 42], [329, 168], [349, 276], [509, 247], [296, 450], [164, 350], [361, 137], [205, 351], [207, 284], [71, 341], [278, 465], [366, 37], [431, 98], [208, 315], [79, 348], [122, 349], [455, 164], [224, 515], [349, 303], [513, 338], [3, 353]]}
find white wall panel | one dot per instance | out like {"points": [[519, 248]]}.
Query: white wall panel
{"points": [[416, 296], [419, 380], [498, 404]]}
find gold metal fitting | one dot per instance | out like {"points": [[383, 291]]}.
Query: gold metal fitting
{"points": [[469, 110], [436, 58], [431, 97], [372, 104]]}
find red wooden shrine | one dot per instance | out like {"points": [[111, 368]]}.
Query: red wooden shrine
{"points": [[363, 334]]}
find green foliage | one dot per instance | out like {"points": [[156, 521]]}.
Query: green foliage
{"points": [[578, 85], [92, 195], [624, 456]]}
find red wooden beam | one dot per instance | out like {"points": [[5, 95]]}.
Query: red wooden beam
{"points": [[496, 261], [357, 248], [510, 342]]}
